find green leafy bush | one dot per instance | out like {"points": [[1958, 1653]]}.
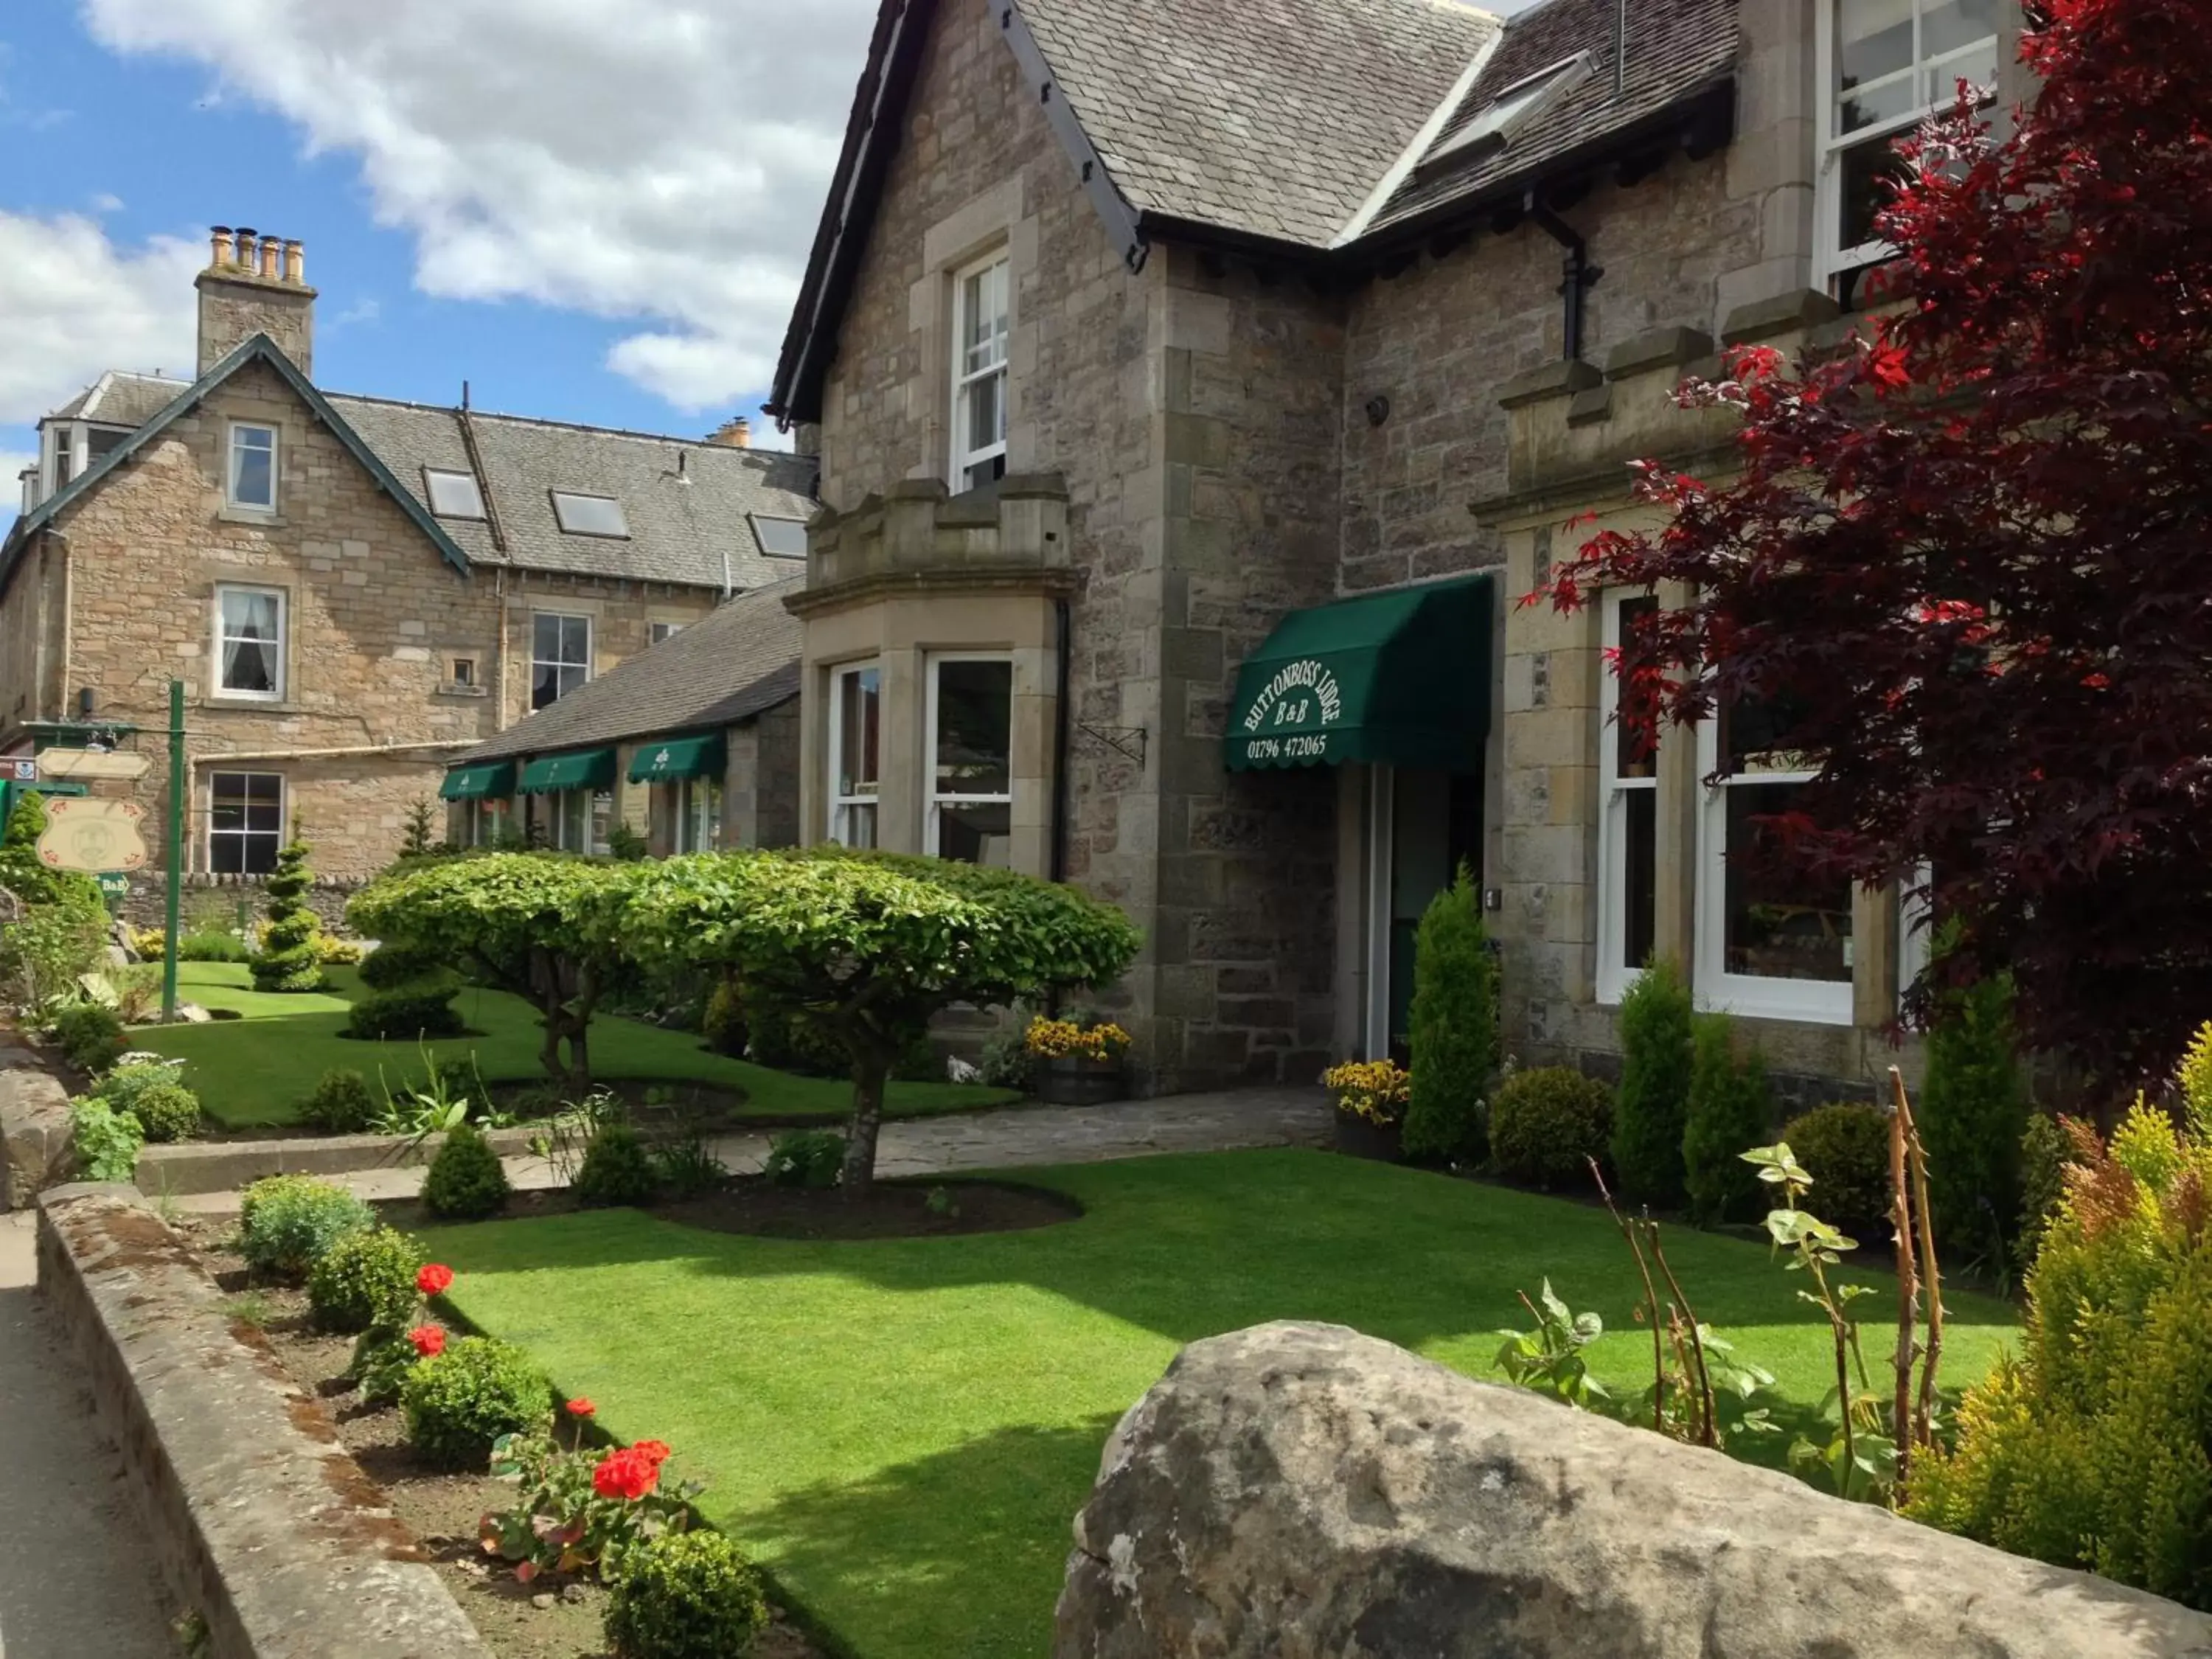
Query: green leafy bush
{"points": [[366, 1277], [342, 1104], [1453, 1025], [724, 1024], [2046, 1149], [783, 1042], [1547, 1123], [289, 958], [28, 877], [396, 963], [168, 1111], [458, 1403], [213, 947], [466, 1181], [686, 1596], [335, 952], [616, 1169], [1651, 1107], [805, 1158], [1728, 1113], [412, 1015], [90, 1036], [286, 1222], [106, 1141], [133, 1076], [1005, 1061], [49, 950], [625, 845], [1974, 1111], [1844, 1147], [919, 1059]]}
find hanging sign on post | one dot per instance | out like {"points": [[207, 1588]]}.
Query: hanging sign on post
{"points": [[92, 835]]}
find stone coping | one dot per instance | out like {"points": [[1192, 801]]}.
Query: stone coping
{"points": [[181, 1168], [261, 1520], [35, 1147]]}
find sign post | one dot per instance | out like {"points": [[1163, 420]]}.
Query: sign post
{"points": [[176, 848]]}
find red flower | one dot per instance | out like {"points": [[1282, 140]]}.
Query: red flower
{"points": [[625, 1475], [525, 1572], [581, 1407], [428, 1340], [654, 1451], [434, 1279], [2096, 681]]}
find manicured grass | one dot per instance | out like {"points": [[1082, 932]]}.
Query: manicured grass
{"points": [[255, 1070], [904, 1429]]}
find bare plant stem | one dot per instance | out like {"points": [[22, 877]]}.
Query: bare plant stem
{"points": [[1908, 1292], [1923, 1424], [1650, 1302], [1709, 1433]]}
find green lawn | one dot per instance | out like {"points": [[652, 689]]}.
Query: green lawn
{"points": [[904, 1429], [254, 1070]]}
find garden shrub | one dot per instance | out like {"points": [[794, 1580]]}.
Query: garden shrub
{"points": [[686, 1596], [723, 1025], [335, 952], [1974, 1110], [918, 1060], [45, 953], [2087, 1450], [90, 1036], [167, 1112], [458, 1401], [213, 947], [107, 1142], [1005, 1061], [805, 1158], [466, 1181], [291, 958], [784, 1042], [1546, 1124], [286, 1222], [1728, 1113], [409, 1014], [29, 877], [366, 1277], [133, 1075], [342, 1104], [1844, 1147], [2046, 1149], [396, 962], [1651, 1107], [616, 1169], [1453, 1025]]}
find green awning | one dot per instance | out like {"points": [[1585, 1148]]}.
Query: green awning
{"points": [[493, 780], [579, 769], [1400, 677], [679, 758]]}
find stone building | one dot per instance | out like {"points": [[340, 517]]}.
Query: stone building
{"points": [[353, 591], [1199, 386]]}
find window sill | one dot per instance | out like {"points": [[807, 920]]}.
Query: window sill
{"points": [[263, 518], [452, 689], [1777, 999], [232, 701]]}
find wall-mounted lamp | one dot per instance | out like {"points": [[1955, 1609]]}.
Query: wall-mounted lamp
{"points": [[1378, 409]]}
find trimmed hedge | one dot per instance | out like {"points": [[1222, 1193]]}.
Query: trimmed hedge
{"points": [[1546, 1124], [408, 1015]]}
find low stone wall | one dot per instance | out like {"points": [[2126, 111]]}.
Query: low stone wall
{"points": [[35, 1127], [1305, 1489], [146, 905], [180, 1169], [260, 1519]]}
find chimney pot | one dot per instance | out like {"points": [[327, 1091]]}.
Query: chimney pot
{"points": [[219, 249], [246, 245], [272, 258], [736, 434], [295, 265]]}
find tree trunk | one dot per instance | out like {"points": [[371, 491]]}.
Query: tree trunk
{"points": [[868, 1078]]}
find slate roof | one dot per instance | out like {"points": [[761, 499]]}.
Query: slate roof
{"points": [[121, 399], [725, 669]]}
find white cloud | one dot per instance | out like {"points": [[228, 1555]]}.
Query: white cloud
{"points": [[75, 305], [665, 161]]}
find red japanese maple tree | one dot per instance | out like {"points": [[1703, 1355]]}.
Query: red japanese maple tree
{"points": [[1973, 553]]}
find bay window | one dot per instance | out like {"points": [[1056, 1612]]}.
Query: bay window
{"points": [[1628, 821], [855, 754], [980, 334], [971, 744]]}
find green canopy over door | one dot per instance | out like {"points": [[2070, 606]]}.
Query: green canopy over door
{"points": [[493, 780], [679, 758], [580, 768], [1400, 677]]}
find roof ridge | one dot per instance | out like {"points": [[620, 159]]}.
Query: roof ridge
{"points": [[548, 421], [1392, 181]]}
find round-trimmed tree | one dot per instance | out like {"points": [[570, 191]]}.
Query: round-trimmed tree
{"points": [[289, 958]]}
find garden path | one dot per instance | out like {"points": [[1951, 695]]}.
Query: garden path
{"points": [[76, 1568], [1011, 1137]]}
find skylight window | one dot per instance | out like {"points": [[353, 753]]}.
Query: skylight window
{"points": [[781, 538], [454, 495], [1512, 109], [589, 515]]}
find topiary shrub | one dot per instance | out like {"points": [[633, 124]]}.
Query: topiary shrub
{"points": [[367, 1277], [616, 1169], [466, 1181], [90, 1036], [1844, 1147], [291, 958], [396, 962], [2046, 1149], [723, 1025], [286, 1222], [167, 1112], [458, 1402], [1453, 1025], [686, 1596], [1974, 1111], [1730, 1108], [342, 1104], [805, 1158], [1651, 1106], [1546, 1124], [412, 1015]]}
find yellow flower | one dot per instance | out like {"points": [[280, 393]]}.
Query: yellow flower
{"points": [[1376, 1089], [1064, 1039]]}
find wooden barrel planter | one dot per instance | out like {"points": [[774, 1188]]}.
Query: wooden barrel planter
{"points": [[1358, 1138], [1072, 1080]]}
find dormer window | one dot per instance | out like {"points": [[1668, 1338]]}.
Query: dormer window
{"points": [[454, 495], [1493, 125], [589, 515]]}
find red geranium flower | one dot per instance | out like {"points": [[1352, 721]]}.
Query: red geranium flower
{"points": [[625, 1475], [654, 1451], [581, 1407], [428, 1340], [434, 1279]]}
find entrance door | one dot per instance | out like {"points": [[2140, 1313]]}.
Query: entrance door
{"points": [[1423, 826]]}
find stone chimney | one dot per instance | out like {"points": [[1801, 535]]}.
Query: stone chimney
{"points": [[255, 284], [733, 434]]}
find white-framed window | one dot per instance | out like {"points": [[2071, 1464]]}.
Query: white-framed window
{"points": [[249, 643], [250, 473], [560, 656], [855, 753], [1882, 66], [971, 759], [454, 495], [979, 372], [246, 822], [484, 823], [663, 630], [698, 816], [1772, 939], [589, 515], [1628, 821], [578, 820]]}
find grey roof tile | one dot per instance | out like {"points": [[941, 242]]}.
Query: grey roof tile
{"points": [[121, 399]]}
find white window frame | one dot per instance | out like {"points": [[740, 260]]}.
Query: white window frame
{"points": [[483, 820], [656, 632], [963, 381], [230, 449], [1814, 1002], [1615, 976], [242, 835], [430, 477], [538, 662], [1916, 931], [593, 813], [1831, 259], [217, 689], [699, 815], [933, 802], [844, 807]]}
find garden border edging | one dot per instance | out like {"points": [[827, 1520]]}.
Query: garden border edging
{"points": [[260, 1519], [183, 1169]]}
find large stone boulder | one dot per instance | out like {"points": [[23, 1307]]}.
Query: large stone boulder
{"points": [[1302, 1491], [36, 1144]]}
